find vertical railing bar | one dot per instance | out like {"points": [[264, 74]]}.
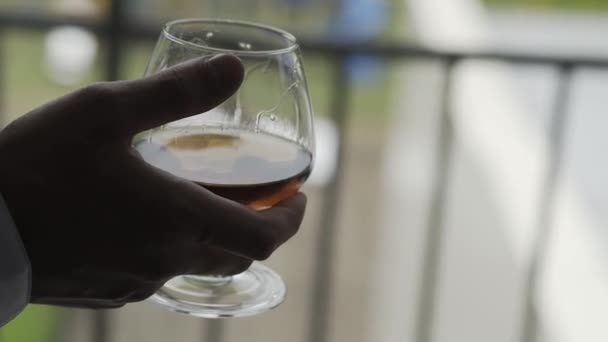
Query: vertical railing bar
{"points": [[3, 114], [540, 244], [431, 261], [60, 332], [215, 330], [101, 326], [114, 31], [323, 280]]}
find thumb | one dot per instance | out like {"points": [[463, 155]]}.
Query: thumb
{"points": [[183, 90]]}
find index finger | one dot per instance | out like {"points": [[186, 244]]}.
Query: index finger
{"points": [[186, 89]]}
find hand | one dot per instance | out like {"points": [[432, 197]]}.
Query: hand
{"points": [[101, 226]]}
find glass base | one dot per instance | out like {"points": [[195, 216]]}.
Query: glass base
{"points": [[257, 290]]}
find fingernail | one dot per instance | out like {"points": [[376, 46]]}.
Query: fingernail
{"points": [[227, 71]]}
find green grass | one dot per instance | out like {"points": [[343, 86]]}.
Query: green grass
{"points": [[35, 324], [26, 83]]}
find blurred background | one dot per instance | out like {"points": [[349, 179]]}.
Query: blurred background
{"points": [[461, 191]]}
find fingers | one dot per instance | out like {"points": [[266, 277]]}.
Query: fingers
{"points": [[128, 107], [119, 110], [186, 89], [257, 235], [196, 214], [222, 223]]}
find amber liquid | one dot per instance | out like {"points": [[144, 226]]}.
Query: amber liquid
{"points": [[255, 169]]}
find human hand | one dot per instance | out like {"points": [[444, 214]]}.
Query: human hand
{"points": [[101, 226]]}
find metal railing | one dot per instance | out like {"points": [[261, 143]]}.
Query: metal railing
{"points": [[116, 29]]}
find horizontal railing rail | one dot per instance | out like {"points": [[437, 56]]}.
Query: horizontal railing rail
{"points": [[137, 29]]}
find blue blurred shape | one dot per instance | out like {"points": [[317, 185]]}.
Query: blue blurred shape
{"points": [[359, 21]]}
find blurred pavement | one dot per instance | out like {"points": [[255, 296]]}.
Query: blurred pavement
{"points": [[501, 118]]}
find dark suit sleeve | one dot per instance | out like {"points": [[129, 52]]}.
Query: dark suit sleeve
{"points": [[15, 271]]}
